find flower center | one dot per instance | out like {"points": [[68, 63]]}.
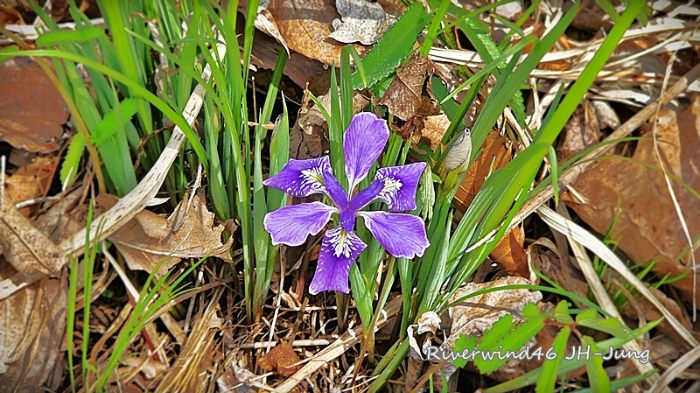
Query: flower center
{"points": [[312, 177], [341, 244], [391, 185]]}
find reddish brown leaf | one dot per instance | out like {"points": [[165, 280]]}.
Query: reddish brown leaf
{"points": [[496, 154], [280, 360], [403, 97], [510, 254], [32, 180], [305, 26], [580, 132], [648, 227], [31, 109]]}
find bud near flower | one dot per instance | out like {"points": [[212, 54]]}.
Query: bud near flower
{"points": [[458, 156]]}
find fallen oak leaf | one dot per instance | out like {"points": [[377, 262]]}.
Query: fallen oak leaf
{"points": [[305, 26], [361, 21], [25, 247], [510, 254], [31, 108], [281, 359], [403, 97], [148, 238]]}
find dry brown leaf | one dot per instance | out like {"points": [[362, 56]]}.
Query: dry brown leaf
{"points": [[580, 132], [561, 272], [478, 314], [10, 16], [32, 181], [31, 109], [361, 21], [32, 323], [280, 359], [403, 97], [648, 227], [496, 154], [510, 254], [23, 245], [431, 129], [305, 26], [149, 238]]}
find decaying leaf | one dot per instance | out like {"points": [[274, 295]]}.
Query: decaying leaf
{"points": [[305, 26], [32, 323], [30, 119], [280, 359], [149, 238], [403, 97], [147, 366], [496, 154], [510, 254], [648, 227], [362, 21], [24, 246], [477, 314], [580, 132], [32, 180]]}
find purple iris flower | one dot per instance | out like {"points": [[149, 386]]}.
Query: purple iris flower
{"points": [[402, 235]]}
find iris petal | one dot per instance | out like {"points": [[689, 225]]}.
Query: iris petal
{"points": [[339, 249], [364, 141], [402, 235], [400, 185], [301, 178], [291, 225]]}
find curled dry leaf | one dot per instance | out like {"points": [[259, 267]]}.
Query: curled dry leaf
{"points": [[32, 180], [25, 247], [31, 108], [510, 254], [403, 97], [580, 132], [281, 359], [496, 154], [305, 26], [149, 238], [362, 21], [32, 323], [648, 227], [476, 315], [148, 367]]}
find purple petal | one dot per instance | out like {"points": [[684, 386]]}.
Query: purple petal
{"points": [[364, 141], [339, 250], [301, 178], [366, 196], [337, 194], [400, 185], [291, 225], [335, 190], [402, 235]]}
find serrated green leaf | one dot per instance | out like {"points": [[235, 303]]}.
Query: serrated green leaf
{"points": [[489, 361], [463, 346], [561, 313], [501, 328], [586, 314], [597, 378], [69, 168], [548, 378], [530, 310], [114, 121], [608, 325], [394, 46]]}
